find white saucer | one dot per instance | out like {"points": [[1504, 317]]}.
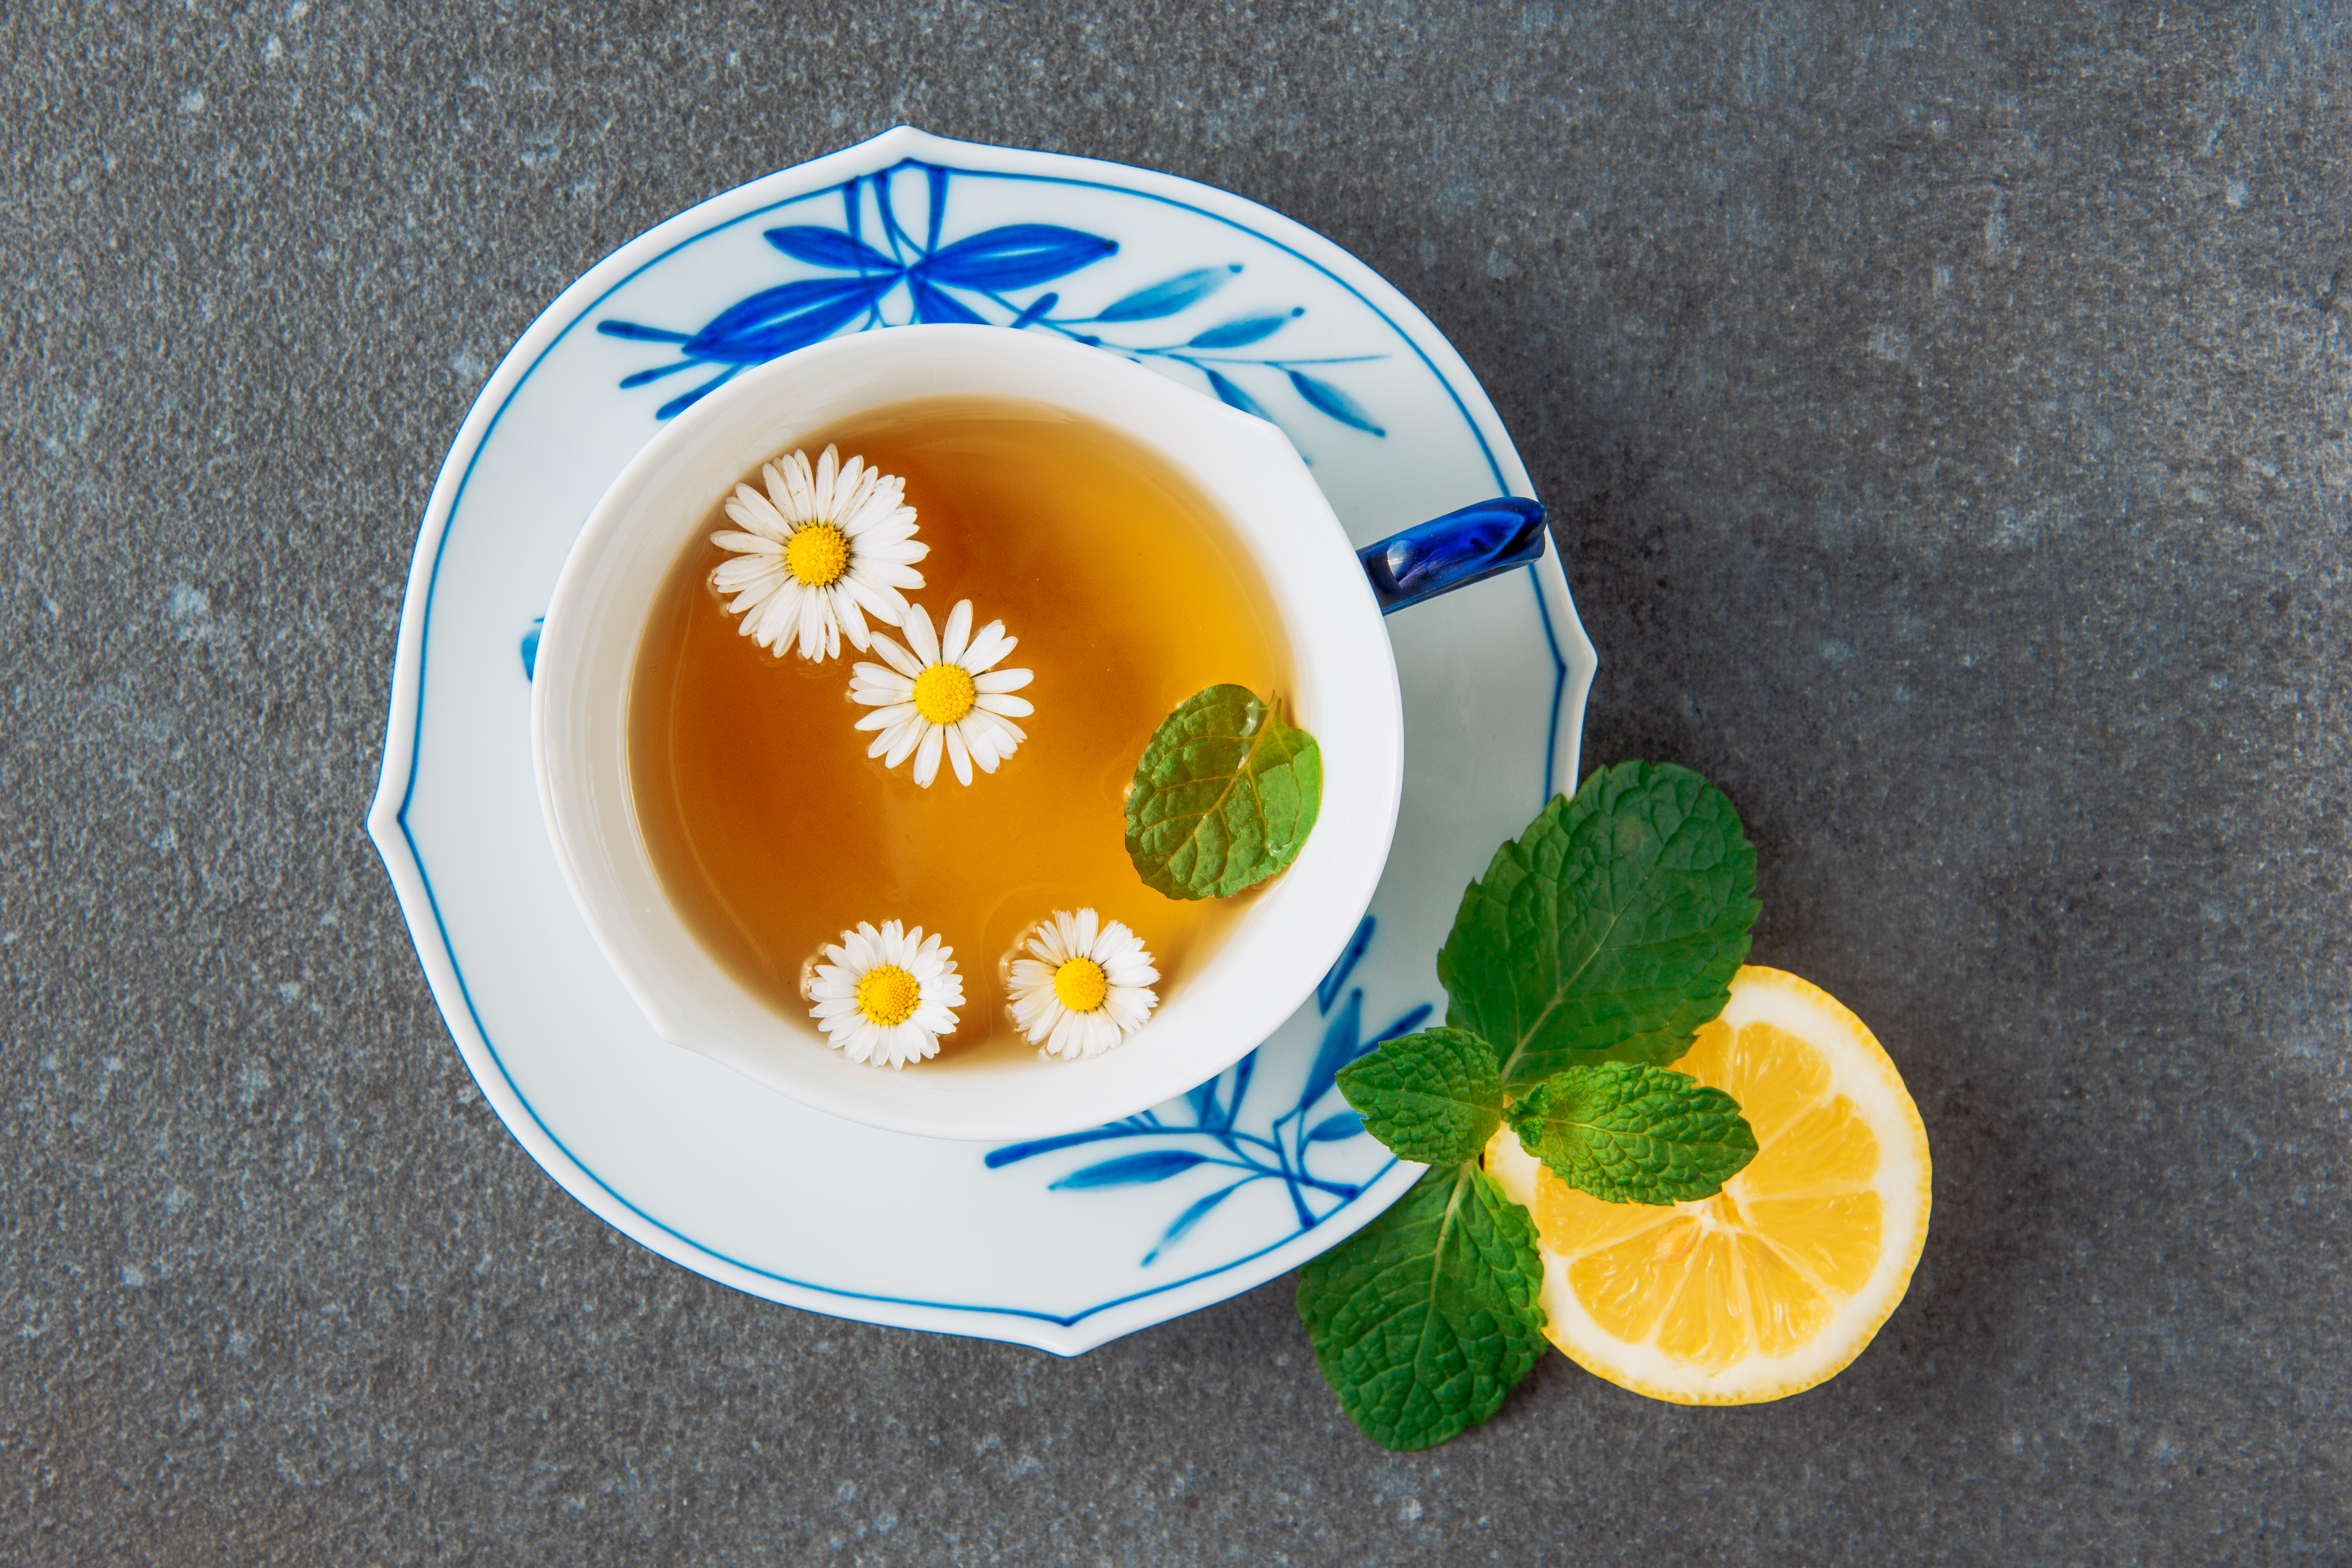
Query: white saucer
{"points": [[1065, 1243]]}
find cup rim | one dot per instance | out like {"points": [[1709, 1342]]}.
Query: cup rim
{"points": [[1347, 685]]}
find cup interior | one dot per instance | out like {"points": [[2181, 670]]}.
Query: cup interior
{"points": [[1345, 692]]}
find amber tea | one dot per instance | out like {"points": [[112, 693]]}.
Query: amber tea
{"points": [[772, 830]]}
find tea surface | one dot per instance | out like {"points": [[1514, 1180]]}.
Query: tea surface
{"points": [[773, 832]]}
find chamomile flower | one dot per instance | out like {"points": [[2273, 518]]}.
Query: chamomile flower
{"points": [[827, 546], [1086, 988], [942, 693], [887, 995]]}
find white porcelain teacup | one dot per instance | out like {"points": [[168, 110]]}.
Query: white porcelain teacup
{"points": [[1345, 692]]}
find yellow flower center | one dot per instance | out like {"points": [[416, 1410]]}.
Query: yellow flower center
{"points": [[887, 995], [944, 694], [1081, 984], [817, 554]]}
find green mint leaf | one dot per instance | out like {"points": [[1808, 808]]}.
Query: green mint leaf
{"points": [[1608, 932], [1433, 1097], [1424, 1320], [1634, 1134], [1225, 797]]}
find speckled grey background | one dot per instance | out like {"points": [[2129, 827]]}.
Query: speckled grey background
{"points": [[1945, 409]]}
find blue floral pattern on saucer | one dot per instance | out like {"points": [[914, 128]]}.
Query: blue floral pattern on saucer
{"points": [[1209, 1129], [973, 280], [1060, 1243]]}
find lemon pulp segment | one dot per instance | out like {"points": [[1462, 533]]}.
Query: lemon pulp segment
{"points": [[1777, 1282]]}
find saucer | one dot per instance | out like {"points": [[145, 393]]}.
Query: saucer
{"points": [[1061, 1243]]}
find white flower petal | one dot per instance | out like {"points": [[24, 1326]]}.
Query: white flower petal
{"points": [[819, 638], [1043, 1014], [956, 634], [884, 603], [1131, 973], [887, 535], [778, 478], [771, 625], [980, 720], [1129, 1006], [921, 641], [958, 754], [877, 510], [1046, 942], [747, 544], [899, 743], [884, 718], [758, 513], [1067, 1039], [926, 757], [829, 469], [1002, 679], [898, 579], [749, 578], [899, 657], [1010, 707], [844, 606], [988, 644], [850, 490]]}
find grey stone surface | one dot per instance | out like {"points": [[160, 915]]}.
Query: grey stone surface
{"points": [[1945, 408]]}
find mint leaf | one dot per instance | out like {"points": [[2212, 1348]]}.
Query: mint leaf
{"points": [[1225, 797], [1433, 1097], [1633, 1134], [1610, 930], [1424, 1320]]}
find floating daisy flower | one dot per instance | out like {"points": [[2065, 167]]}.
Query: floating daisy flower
{"points": [[887, 995], [827, 547], [1086, 990], [942, 693]]}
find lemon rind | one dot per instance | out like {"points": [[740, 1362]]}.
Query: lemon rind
{"points": [[1864, 1073]]}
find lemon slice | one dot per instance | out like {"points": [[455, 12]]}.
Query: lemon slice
{"points": [[1777, 1282]]}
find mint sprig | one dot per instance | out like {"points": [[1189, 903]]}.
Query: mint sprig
{"points": [[1598, 942], [1609, 930], [1224, 797], [1424, 1320], [1628, 1133], [1433, 1097]]}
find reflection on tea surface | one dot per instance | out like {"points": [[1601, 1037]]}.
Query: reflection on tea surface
{"points": [[772, 830]]}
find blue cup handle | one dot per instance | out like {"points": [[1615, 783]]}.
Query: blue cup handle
{"points": [[1454, 551]]}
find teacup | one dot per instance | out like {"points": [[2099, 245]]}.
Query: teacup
{"points": [[1344, 691]]}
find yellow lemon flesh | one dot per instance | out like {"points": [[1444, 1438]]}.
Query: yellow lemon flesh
{"points": [[1778, 1282]]}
